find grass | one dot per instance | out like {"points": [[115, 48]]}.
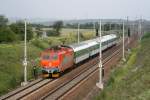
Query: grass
{"points": [[11, 69], [84, 32], [131, 81], [75, 31], [65, 31]]}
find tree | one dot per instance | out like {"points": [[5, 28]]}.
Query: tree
{"points": [[57, 26], [18, 29], [3, 21], [97, 29], [107, 27], [129, 34], [7, 35]]}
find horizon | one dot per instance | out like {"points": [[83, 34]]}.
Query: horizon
{"points": [[44, 20]]}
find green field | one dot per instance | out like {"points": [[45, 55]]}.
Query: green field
{"points": [[11, 69], [69, 30], [85, 34], [131, 80], [65, 31]]}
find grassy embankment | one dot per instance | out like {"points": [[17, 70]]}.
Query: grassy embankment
{"points": [[11, 57], [131, 80], [11, 69]]}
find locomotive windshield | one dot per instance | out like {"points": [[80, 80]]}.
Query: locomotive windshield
{"points": [[55, 57], [50, 57], [46, 57]]}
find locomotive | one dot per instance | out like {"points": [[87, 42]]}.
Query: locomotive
{"points": [[56, 60]]}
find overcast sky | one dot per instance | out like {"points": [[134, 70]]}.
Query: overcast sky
{"points": [[75, 9]]}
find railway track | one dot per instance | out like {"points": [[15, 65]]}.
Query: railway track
{"points": [[62, 80], [23, 91], [58, 82], [68, 86], [62, 89], [35, 87], [79, 91]]}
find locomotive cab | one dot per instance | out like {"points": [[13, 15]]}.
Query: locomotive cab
{"points": [[55, 61], [49, 64]]}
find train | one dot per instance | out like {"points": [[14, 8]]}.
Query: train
{"points": [[54, 61]]}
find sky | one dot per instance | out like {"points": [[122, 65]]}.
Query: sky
{"points": [[76, 9]]}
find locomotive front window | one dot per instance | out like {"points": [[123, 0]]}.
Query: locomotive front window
{"points": [[46, 57], [55, 57]]}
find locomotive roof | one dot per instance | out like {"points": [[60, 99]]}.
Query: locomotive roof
{"points": [[58, 49]]}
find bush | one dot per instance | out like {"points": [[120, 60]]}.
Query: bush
{"points": [[18, 29], [11, 69], [40, 44], [69, 38], [53, 41], [7, 35], [87, 35], [52, 33], [63, 40], [147, 35]]}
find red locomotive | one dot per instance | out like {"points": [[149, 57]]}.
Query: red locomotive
{"points": [[56, 60]]}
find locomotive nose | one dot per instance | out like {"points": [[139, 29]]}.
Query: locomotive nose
{"points": [[44, 63], [49, 64]]}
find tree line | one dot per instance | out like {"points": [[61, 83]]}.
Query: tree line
{"points": [[106, 27], [13, 32]]}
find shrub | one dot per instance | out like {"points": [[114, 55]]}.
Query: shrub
{"points": [[87, 35], [55, 42], [52, 33], [70, 38], [18, 29], [7, 35], [147, 35], [40, 44], [63, 40]]}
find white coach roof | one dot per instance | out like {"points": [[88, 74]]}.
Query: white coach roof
{"points": [[89, 43], [106, 37], [80, 46]]}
